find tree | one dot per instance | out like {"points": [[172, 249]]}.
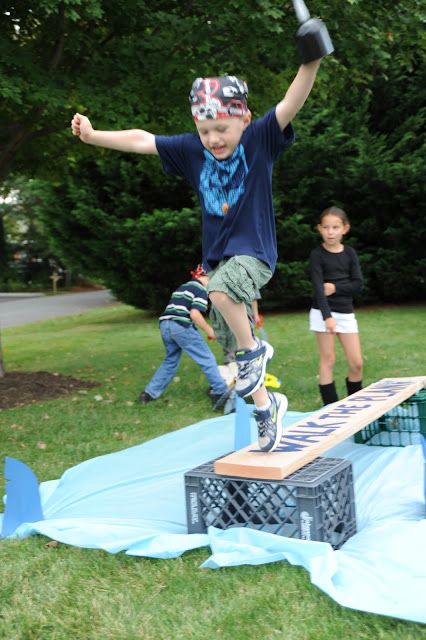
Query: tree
{"points": [[129, 64], [125, 60]]}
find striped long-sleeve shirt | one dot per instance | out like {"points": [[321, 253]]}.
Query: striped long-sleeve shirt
{"points": [[190, 295]]}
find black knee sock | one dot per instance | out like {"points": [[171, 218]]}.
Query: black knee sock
{"points": [[353, 387], [328, 393]]}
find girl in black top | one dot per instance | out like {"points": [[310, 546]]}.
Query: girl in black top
{"points": [[336, 277]]}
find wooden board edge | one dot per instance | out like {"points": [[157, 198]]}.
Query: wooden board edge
{"points": [[271, 472]]}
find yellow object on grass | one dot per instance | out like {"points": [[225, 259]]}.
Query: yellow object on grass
{"points": [[272, 381]]}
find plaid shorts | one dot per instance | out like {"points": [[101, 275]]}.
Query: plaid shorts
{"points": [[240, 277]]}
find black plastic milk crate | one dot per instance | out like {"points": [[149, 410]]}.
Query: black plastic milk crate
{"points": [[314, 503], [399, 427]]}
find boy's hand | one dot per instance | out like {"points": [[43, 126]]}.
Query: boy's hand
{"points": [[81, 126], [210, 333]]}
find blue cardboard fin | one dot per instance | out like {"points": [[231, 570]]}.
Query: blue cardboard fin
{"points": [[23, 503], [242, 437]]}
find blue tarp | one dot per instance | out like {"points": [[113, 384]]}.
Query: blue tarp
{"points": [[133, 501]]}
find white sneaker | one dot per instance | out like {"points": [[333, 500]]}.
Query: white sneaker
{"points": [[252, 367], [269, 422]]}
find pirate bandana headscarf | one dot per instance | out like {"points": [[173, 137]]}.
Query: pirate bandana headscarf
{"points": [[198, 271], [213, 98]]}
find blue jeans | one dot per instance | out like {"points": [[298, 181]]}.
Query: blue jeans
{"points": [[178, 339]]}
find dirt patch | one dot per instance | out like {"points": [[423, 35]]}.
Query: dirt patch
{"points": [[18, 388]]}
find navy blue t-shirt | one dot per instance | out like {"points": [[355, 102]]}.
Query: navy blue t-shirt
{"points": [[243, 181]]}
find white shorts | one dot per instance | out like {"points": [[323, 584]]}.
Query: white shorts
{"points": [[345, 322]]}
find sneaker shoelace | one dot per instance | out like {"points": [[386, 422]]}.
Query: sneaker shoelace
{"points": [[262, 427], [244, 369]]}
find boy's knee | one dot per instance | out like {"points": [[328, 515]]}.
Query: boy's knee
{"points": [[216, 297]]}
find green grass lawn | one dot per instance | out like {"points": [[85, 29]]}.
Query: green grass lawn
{"points": [[61, 592]]}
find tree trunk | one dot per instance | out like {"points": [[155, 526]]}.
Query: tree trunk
{"points": [[14, 143], [2, 370], [3, 264], [3, 246]]}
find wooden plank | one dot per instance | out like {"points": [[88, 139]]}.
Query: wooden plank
{"points": [[308, 438]]}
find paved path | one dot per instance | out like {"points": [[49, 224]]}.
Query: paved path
{"points": [[22, 309]]}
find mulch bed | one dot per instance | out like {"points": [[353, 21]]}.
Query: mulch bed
{"points": [[18, 388]]}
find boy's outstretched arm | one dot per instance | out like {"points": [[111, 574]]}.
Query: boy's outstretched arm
{"points": [[198, 319], [297, 93], [132, 140]]}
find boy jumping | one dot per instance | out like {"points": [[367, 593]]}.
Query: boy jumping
{"points": [[229, 163]]}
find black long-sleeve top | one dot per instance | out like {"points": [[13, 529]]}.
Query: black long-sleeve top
{"points": [[343, 270]]}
